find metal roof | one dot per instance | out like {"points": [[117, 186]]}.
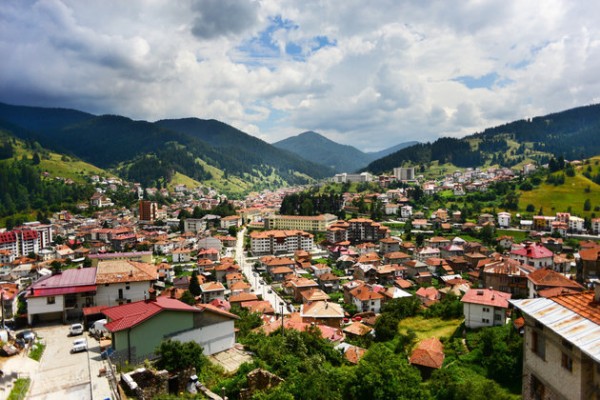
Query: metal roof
{"points": [[569, 325]]}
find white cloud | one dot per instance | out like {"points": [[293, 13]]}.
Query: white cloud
{"points": [[386, 72]]}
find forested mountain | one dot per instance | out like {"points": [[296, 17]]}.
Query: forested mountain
{"points": [[247, 149], [342, 158], [317, 148], [572, 134], [152, 152]]}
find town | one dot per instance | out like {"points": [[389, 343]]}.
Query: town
{"points": [[204, 269]]}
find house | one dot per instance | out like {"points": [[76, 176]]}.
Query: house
{"points": [[534, 254], [561, 352], [504, 219], [427, 252], [138, 328], [365, 298], [485, 307], [8, 294], [329, 283], [314, 294], [123, 281], [588, 265], [212, 290], [357, 329], [322, 313], [543, 279], [61, 296], [389, 245], [395, 257], [428, 356], [428, 296], [506, 275], [300, 285], [181, 255]]}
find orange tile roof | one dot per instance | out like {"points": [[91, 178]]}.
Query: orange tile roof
{"points": [[357, 328], [548, 277], [114, 271], [428, 353], [582, 304], [354, 354]]}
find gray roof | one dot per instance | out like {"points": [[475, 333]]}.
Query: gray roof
{"points": [[576, 329]]}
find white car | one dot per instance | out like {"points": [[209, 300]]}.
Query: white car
{"points": [[79, 345], [76, 329]]}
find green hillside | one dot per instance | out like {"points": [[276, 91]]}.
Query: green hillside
{"points": [[572, 134], [570, 196]]}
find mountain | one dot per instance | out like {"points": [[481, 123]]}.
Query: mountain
{"points": [[382, 153], [317, 148], [572, 134], [245, 148], [153, 153], [342, 158]]}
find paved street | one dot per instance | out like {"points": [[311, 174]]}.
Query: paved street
{"points": [[259, 289], [59, 374]]}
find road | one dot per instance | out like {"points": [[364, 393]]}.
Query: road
{"points": [[254, 279]]}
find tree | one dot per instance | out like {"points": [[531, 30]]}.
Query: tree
{"points": [[587, 205], [177, 356], [188, 298], [381, 375], [386, 327], [194, 286]]}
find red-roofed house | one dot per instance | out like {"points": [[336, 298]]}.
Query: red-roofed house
{"points": [[427, 356], [533, 254], [542, 279], [485, 307], [138, 328], [61, 296]]}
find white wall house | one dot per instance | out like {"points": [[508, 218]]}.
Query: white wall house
{"points": [[485, 307], [504, 219]]}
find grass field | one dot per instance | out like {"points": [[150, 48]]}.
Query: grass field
{"points": [[431, 327], [572, 193], [519, 236]]}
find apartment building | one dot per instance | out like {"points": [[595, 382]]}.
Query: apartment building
{"points": [[280, 241], [318, 223]]}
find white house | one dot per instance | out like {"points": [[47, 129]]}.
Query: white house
{"points": [[504, 219], [576, 224], [485, 307], [123, 281], [406, 211]]}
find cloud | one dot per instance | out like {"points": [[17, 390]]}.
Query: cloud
{"points": [[371, 75], [216, 18]]}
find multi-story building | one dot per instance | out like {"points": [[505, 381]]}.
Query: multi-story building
{"points": [[404, 174], [345, 177], [280, 241], [24, 240], [148, 210], [504, 219], [596, 226], [561, 351], [366, 230], [576, 224], [485, 307], [194, 225], [533, 254], [318, 223]]}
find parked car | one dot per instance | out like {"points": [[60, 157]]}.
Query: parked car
{"points": [[76, 329], [79, 345]]}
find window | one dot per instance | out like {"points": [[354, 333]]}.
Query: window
{"points": [[537, 388], [485, 320], [566, 362], [538, 344], [497, 317], [486, 309], [50, 300], [127, 287]]}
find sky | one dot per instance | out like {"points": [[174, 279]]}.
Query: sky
{"points": [[371, 74]]}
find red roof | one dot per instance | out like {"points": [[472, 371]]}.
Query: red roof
{"points": [[69, 281], [428, 353], [93, 310], [487, 297], [533, 251], [129, 315]]}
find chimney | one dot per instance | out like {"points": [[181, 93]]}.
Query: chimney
{"points": [[173, 293], [597, 292], [152, 294]]}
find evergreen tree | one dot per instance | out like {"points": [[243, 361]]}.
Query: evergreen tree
{"points": [[194, 287]]}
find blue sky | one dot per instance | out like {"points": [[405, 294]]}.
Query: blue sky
{"points": [[367, 74]]}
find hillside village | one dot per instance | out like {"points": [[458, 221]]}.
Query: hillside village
{"points": [[179, 271]]}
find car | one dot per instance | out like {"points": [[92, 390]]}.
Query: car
{"points": [[261, 282], [270, 290], [79, 345], [76, 329]]}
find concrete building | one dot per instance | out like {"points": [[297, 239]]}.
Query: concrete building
{"points": [[561, 347], [404, 174], [485, 307], [148, 210], [318, 223], [504, 219], [280, 242]]}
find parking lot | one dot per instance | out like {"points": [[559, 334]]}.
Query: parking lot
{"points": [[61, 374]]}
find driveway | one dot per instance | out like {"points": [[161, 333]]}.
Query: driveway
{"points": [[61, 375]]}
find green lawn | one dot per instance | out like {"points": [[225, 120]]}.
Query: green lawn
{"points": [[431, 327], [519, 236], [36, 351]]}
